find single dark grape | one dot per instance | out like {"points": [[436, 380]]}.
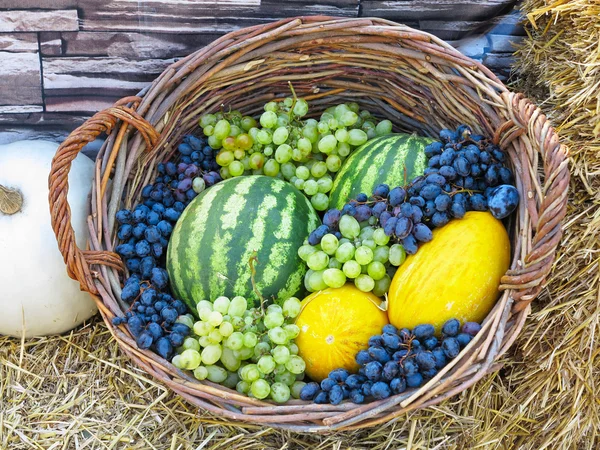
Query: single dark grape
{"points": [[338, 375], [335, 395], [144, 340], [356, 396], [366, 388], [179, 306], [391, 341], [379, 208], [362, 197], [414, 380], [400, 355], [172, 214], [142, 248], [363, 212], [327, 384], [373, 370], [396, 196], [471, 328], [417, 214], [429, 208], [435, 148], [469, 183], [363, 357], [398, 385], [447, 157], [354, 381], [140, 213], [436, 178], [176, 339], [422, 233], [476, 170], [403, 227], [138, 230], [125, 250], [463, 339], [390, 370], [448, 172], [151, 234], [124, 216], [155, 330], [424, 331], [309, 391], [146, 266], [425, 360], [451, 327], [332, 218], [314, 238], [379, 354], [440, 357], [410, 244], [451, 347], [462, 166], [502, 202], [349, 209], [380, 390], [321, 398], [430, 191], [433, 163], [390, 329], [148, 297], [448, 136], [410, 367], [169, 314], [376, 341], [492, 175], [164, 347], [430, 343], [443, 202], [506, 175], [429, 373], [478, 202]]}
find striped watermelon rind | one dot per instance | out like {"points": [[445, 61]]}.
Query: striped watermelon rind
{"points": [[380, 160], [217, 234]]}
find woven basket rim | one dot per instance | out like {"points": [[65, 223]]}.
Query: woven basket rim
{"points": [[147, 126]]}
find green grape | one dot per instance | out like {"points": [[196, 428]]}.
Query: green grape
{"points": [[225, 158], [215, 337], [278, 336], [311, 133], [291, 307], [305, 251], [341, 135], [202, 328], [366, 232], [318, 169], [215, 318], [226, 329], [380, 237], [364, 282], [397, 255], [365, 114], [211, 354], [237, 322], [320, 201], [260, 389], [198, 185], [293, 348], [381, 254], [271, 106], [343, 149], [288, 170], [310, 122], [231, 380], [190, 343], [224, 171], [334, 163], [214, 142], [370, 243], [384, 127], [382, 286], [186, 319], [349, 227], [237, 306], [280, 393], [295, 365], [176, 361], [315, 281], [334, 278], [299, 184], [334, 264], [329, 244], [363, 255], [357, 137], [280, 369], [229, 360], [221, 304], [325, 184], [351, 269], [318, 260], [376, 270], [371, 133], [266, 364], [236, 169], [204, 341], [345, 252], [274, 319], [281, 354], [344, 240], [250, 339], [207, 119], [333, 124], [271, 168], [262, 348], [300, 108], [235, 341], [291, 330], [304, 145], [244, 353], [280, 135], [302, 172], [327, 144], [190, 359], [268, 151], [222, 129], [242, 387], [235, 130], [283, 153], [297, 388], [268, 119], [285, 377], [349, 118], [264, 136], [248, 123], [256, 161], [288, 101], [311, 187], [282, 120], [250, 373], [216, 374], [208, 130], [200, 373]]}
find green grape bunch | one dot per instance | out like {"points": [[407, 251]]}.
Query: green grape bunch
{"points": [[250, 350], [282, 143]]}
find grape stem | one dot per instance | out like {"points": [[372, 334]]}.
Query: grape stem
{"points": [[11, 201]]}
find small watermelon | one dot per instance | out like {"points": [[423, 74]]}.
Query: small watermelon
{"points": [[381, 160], [221, 229]]}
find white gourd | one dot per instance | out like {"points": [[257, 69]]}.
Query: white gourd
{"points": [[36, 294]]}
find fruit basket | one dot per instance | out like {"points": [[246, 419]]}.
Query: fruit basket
{"points": [[413, 79]]}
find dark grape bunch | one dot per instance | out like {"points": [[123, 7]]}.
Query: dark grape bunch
{"points": [[396, 360], [145, 233], [466, 172]]}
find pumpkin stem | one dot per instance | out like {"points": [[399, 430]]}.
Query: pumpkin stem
{"points": [[11, 200]]}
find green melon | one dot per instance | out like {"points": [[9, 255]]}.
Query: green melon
{"points": [[220, 230], [393, 159]]}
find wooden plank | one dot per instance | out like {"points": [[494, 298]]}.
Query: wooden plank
{"points": [[18, 20], [449, 10], [134, 45], [199, 16], [79, 104], [18, 42], [19, 109], [43, 119], [35, 4], [51, 43], [20, 79]]}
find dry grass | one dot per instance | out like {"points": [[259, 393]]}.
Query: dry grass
{"points": [[78, 391]]}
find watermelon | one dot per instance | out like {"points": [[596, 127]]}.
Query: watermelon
{"points": [[393, 159], [221, 229]]}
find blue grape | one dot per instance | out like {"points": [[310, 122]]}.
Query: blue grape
{"points": [[448, 136], [398, 385], [442, 202], [430, 191], [492, 176], [140, 213], [430, 343], [439, 219], [502, 202], [125, 231], [155, 330], [458, 209], [144, 340], [451, 347], [373, 370], [390, 370], [436, 178], [429, 373], [164, 347], [414, 380], [172, 214], [384, 217], [146, 266], [314, 238], [148, 297], [327, 384], [380, 390], [433, 163], [376, 341], [138, 230], [447, 157], [332, 218], [133, 264], [169, 314], [366, 388], [363, 357], [152, 218], [381, 190], [379, 354], [462, 166], [356, 396], [440, 357], [429, 209], [176, 339], [336, 395], [339, 375], [471, 328], [400, 355], [309, 391], [354, 381], [410, 367], [478, 202], [448, 172], [151, 234], [422, 233], [179, 306], [476, 170], [158, 208], [396, 196], [390, 226], [157, 250], [379, 208], [451, 327], [363, 212], [435, 148], [349, 209], [125, 250], [418, 201], [417, 214], [391, 341], [361, 198], [463, 339], [404, 226], [506, 176], [142, 248], [410, 244], [390, 329], [425, 360], [124, 216], [469, 183], [424, 331]]}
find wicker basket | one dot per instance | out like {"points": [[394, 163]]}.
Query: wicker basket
{"points": [[411, 77]]}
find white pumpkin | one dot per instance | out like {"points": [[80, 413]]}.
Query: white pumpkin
{"points": [[37, 296]]}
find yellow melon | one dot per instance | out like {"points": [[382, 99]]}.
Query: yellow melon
{"points": [[456, 275], [334, 325]]}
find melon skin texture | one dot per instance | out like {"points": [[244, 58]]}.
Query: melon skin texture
{"points": [[335, 324], [223, 227], [36, 294], [455, 275], [393, 159]]}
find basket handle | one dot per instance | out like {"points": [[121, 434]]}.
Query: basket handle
{"points": [[528, 280], [79, 261]]}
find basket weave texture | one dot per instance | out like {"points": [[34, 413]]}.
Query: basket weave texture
{"points": [[412, 78]]}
